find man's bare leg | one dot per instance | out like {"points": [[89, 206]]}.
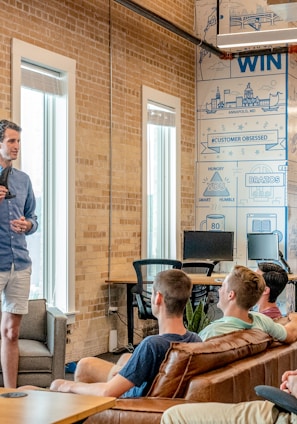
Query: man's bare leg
{"points": [[10, 326], [97, 370]]}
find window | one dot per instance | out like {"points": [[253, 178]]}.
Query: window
{"points": [[161, 175], [43, 92]]}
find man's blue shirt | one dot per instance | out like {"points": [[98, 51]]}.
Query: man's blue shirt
{"points": [[145, 362], [13, 246]]}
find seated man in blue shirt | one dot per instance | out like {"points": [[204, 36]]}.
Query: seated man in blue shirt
{"points": [[94, 376], [240, 291]]}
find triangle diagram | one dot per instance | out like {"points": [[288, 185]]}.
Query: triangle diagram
{"points": [[216, 187]]}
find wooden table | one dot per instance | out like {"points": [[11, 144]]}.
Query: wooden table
{"points": [[202, 279], [46, 407]]}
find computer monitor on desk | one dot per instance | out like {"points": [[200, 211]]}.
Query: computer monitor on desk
{"points": [[264, 247], [213, 246]]}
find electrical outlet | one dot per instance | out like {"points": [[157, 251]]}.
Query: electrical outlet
{"points": [[112, 309]]}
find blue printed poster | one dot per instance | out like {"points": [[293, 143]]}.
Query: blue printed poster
{"points": [[242, 147]]}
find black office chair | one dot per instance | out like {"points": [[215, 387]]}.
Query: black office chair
{"points": [[199, 291], [146, 269]]}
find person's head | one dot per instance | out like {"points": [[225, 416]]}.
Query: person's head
{"points": [[275, 278], [175, 287], [243, 285], [9, 140]]}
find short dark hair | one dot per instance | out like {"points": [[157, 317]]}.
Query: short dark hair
{"points": [[176, 288], [276, 278], [4, 124]]}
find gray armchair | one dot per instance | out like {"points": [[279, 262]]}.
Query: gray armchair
{"points": [[42, 345]]}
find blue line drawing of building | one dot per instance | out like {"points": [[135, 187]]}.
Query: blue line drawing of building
{"points": [[219, 102]]}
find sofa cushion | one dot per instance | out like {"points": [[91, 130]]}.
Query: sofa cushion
{"points": [[33, 324], [34, 357], [185, 360]]}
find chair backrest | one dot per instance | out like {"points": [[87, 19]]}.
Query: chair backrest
{"points": [[199, 292], [34, 324], [146, 270], [198, 268]]}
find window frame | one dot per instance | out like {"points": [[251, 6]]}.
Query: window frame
{"points": [[155, 96], [22, 50]]}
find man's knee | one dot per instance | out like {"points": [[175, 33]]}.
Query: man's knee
{"points": [[92, 370], [175, 415], [198, 413], [82, 368], [220, 413], [167, 417], [11, 334], [10, 326]]}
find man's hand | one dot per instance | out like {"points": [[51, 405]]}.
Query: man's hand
{"points": [[291, 328], [3, 191], [289, 382], [20, 225], [293, 316]]}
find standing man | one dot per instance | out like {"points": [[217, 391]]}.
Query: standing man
{"points": [[17, 219]]}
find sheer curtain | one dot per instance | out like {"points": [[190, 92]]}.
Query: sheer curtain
{"points": [[161, 182]]}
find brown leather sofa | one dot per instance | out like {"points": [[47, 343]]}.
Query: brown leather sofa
{"points": [[222, 369]]}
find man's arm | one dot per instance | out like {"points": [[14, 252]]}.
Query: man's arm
{"points": [[117, 386], [291, 328], [29, 211]]}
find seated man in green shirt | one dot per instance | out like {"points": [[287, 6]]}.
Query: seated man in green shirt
{"points": [[240, 291]]}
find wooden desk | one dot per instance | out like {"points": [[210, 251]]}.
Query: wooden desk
{"points": [[45, 407], [202, 279], [213, 280]]}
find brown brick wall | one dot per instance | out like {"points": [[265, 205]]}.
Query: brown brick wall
{"points": [[142, 53]]}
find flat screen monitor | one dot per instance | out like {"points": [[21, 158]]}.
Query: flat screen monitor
{"points": [[208, 245], [263, 246]]}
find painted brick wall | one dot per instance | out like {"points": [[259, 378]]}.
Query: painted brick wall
{"points": [[140, 52]]}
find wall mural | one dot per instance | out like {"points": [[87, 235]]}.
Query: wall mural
{"points": [[243, 125]]}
